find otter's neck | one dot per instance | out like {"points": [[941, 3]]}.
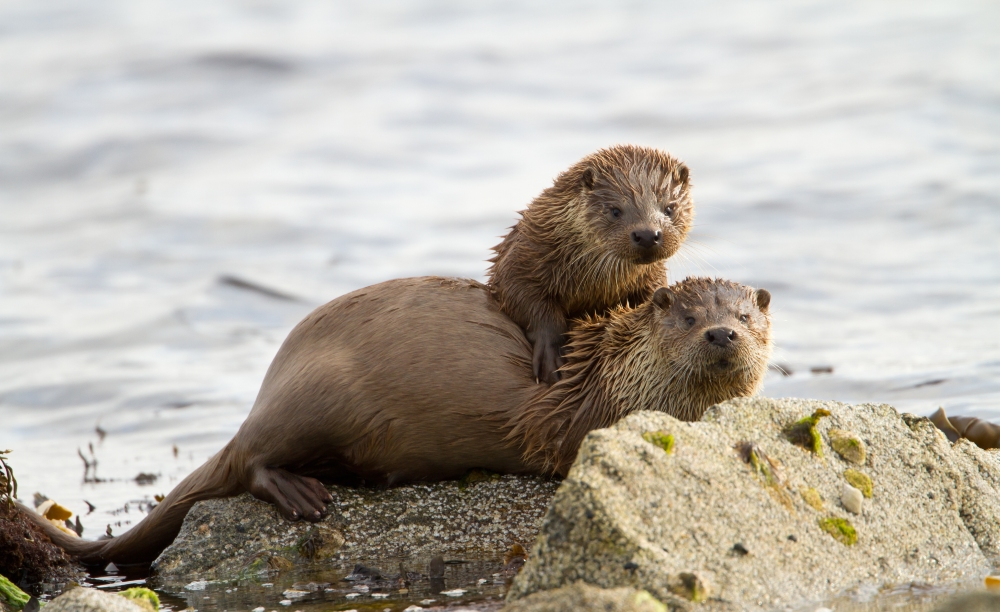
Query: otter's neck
{"points": [[618, 367], [610, 371]]}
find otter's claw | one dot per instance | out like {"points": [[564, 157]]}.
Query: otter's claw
{"points": [[296, 497], [546, 361]]}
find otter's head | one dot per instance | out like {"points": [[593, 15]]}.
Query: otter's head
{"points": [[714, 338], [635, 201]]}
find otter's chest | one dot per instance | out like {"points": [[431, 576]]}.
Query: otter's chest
{"points": [[623, 286]]}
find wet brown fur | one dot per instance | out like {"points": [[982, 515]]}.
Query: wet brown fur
{"points": [[424, 379], [648, 357], [569, 257]]}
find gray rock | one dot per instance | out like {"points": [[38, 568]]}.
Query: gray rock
{"points": [[81, 599], [582, 596], [851, 498], [971, 602], [222, 538], [722, 520]]}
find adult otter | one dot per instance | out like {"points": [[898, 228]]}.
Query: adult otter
{"points": [[984, 434], [596, 239], [424, 379]]}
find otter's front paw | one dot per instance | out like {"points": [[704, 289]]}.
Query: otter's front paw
{"points": [[547, 360]]}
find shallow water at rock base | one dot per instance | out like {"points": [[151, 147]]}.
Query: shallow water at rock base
{"points": [[266, 590], [323, 587]]}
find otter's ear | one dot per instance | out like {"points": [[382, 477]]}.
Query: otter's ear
{"points": [[662, 299], [763, 299], [588, 179], [681, 175]]}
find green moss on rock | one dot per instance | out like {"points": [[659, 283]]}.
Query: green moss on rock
{"points": [[11, 595], [661, 439], [643, 601], [860, 481], [847, 445], [263, 563], [841, 529], [812, 497], [803, 432], [689, 586], [142, 596]]}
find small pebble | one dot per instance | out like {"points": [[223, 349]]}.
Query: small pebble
{"points": [[258, 609], [852, 499], [454, 592], [197, 585], [380, 595], [352, 595], [412, 609], [482, 581], [285, 602], [427, 602]]}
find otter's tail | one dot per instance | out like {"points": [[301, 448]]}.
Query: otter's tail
{"points": [[144, 542]]}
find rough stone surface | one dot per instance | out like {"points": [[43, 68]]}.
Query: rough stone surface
{"points": [[722, 519], [971, 602], [582, 596], [91, 600], [224, 537]]}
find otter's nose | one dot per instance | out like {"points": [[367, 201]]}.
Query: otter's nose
{"points": [[646, 239], [720, 336]]}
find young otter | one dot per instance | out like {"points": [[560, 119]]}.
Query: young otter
{"points": [[424, 379], [596, 239]]}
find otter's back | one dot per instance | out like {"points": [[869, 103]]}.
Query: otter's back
{"points": [[409, 379]]}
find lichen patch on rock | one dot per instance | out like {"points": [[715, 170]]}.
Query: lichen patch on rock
{"points": [[812, 497], [841, 529], [847, 445], [660, 438], [860, 481]]}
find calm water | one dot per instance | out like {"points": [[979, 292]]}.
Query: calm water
{"points": [[846, 156]]}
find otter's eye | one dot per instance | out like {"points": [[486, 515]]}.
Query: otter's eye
{"points": [[744, 319], [669, 211], [616, 212], [689, 321]]}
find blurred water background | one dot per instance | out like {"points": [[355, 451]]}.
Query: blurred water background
{"points": [[160, 160]]}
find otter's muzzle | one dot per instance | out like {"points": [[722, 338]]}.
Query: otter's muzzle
{"points": [[722, 337], [647, 239]]}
